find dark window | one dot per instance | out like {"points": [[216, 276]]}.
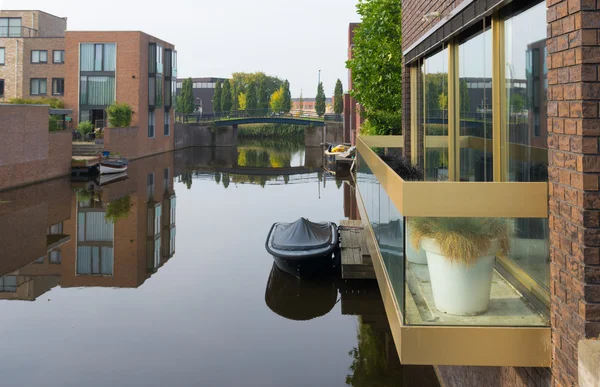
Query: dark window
{"points": [[10, 27], [1, 87], [152, 58], [58, 56], [38, 86], [58, 86], [39, 56], [167, 123], [152, 91], [2, 56], [151, 124], [55, 257]]}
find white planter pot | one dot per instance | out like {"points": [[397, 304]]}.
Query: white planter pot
{"points": [[413, 255], [458, 288]]}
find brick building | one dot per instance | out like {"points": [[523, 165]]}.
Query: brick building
{"points": [[204, 92], [130, 67], [31, 55], [501, 111]]}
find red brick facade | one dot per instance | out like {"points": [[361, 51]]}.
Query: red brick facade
{"points": [[28, 151], [131, 87]]}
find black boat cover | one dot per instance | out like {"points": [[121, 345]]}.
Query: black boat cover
{"points": [[301, 235]]}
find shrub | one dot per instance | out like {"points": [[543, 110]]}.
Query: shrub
{"points": [[119, 115], [462, 239], [118, 209], [53, 124], [54, 103], [85, 127]]}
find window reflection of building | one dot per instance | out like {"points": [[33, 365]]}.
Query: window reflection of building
{"points": [[95, 241]]}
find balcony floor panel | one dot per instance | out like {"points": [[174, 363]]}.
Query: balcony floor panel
{"points": [[507, 306]]}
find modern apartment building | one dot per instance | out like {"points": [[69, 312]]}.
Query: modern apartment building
{"points": [[204, 92], [32, 57], [126, 67], [501, 111]]}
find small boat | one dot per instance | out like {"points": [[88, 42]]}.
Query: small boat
{"points": [[303, 248], [108, 165], [103, 180]]}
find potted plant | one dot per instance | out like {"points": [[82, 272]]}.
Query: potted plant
{"points": [[408, 172], [461, 253]]}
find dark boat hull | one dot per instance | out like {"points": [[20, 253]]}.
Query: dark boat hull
{"points": [[308, 263]]}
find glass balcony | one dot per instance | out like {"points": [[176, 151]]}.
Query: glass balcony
{"points": [[463, 266]]}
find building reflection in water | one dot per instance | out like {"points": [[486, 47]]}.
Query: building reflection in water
{"points": [[84, 234]]}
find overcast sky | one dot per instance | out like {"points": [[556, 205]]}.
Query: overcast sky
{"points": [[288, 39]]}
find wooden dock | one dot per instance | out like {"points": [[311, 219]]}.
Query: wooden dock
{"points": [[356, 260]]}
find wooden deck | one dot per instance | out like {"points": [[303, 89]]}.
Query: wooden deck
{"points": [[356, 260]]}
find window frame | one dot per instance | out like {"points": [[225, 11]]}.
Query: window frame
{"points": [[151, 123], [62, 56], [39, 56], [32, 80], [2, 88], [63, 86], [3, 62], [8, 27]]}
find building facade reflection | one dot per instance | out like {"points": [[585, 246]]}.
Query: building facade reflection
{"points": [[79, 234]]}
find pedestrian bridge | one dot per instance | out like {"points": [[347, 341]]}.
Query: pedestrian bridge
{"points": [[244, 117]]}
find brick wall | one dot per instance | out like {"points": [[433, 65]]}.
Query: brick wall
{"points": [[11, 72], [28, 151], [46, 71], [123, 141], [50, 25], [574, 126]]}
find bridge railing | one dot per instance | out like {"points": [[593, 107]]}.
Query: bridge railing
{"points": [[258, 113]]}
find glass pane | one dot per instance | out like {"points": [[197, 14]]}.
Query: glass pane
{"points": [[43, 56], [35, 56], [152, 91], [159, 90], [2, 55], [35, 87], [98, 57], [110, 57], [159, 59], [435, 116], [14, 27], [101, 91], [87, 57], [527, 132], [83, 91], [475, 88]]}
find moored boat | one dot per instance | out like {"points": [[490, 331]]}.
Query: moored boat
{"points": [[107, 166], [303, 248]]}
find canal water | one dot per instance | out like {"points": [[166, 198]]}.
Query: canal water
{"points": [[161, 278]]}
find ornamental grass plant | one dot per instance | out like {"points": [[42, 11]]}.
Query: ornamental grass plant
{"points": [[462, 240]]}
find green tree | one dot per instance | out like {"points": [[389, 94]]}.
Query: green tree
{"points": [[320, 100], [338, 98], [277, 101], [517, 103], [226, 180], [465, 100], [252, 99], [242, 101], [377, 63], [217, 178], [226, 98], [234, 98], [217, 97], [263, 97], [185, 101], [287, 97]]}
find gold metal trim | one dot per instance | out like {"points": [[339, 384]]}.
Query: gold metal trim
{"points": [[524, 279], [384, 141], [498, 95], [414, 125], [458, 199], [453, 113], [448, 345]]}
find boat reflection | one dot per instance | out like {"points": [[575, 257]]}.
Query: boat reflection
{"points": [[299, 300]]}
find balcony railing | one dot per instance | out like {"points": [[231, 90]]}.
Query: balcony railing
{"points": [[18, 32], [500, 321]]}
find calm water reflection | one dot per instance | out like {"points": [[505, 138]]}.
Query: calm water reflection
{"points": [[162, 279]]}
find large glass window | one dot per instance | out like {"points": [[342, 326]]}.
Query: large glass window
{"points": [[10, 27], [98, 57], [97, 90], [526, 132], [159, 90], [435, 116], [475, 104], [58, 56]]}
